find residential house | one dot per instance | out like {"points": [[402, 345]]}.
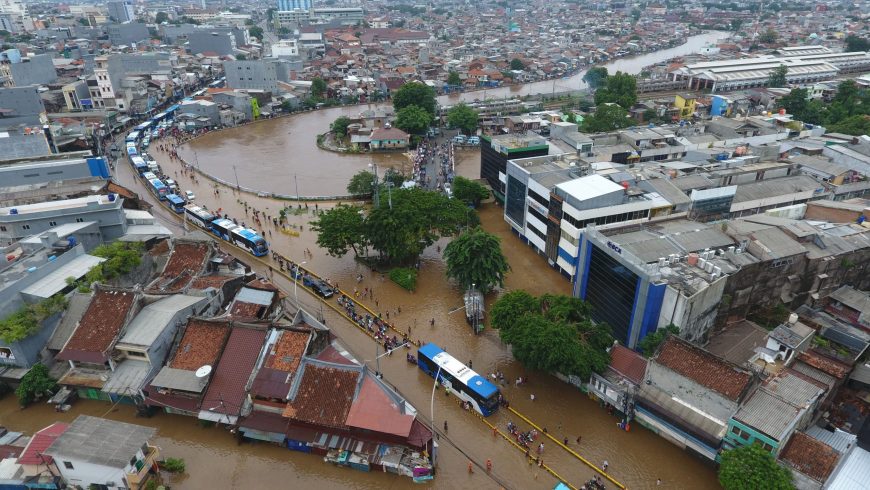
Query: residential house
{"points": [[685, 105], [688, 395], [810, 460], [388, 138], [618, 385], [33, 460], [104, 453], [146, 341], [187, 260], [786, 341], [179, 385], [849, 304], [257, 300], [782, 404]]}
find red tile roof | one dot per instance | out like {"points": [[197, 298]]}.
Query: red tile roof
{"points": [[33, 452], [212, 280], [836, 369], [628, 363], [99, 327], [330, 354], [241, 309], [229, 383], [810, 456], [201, 345], [187, 260], [388, 134], [374, 410], [703, 367], [324, 396]]}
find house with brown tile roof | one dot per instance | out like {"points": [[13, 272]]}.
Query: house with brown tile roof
{"points": [[690, 395], [619, 382], [323, 393], [100, 326], [186, 261], [809, 459]]}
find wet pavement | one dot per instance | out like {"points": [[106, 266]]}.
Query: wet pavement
{"points": [[636, 458]]}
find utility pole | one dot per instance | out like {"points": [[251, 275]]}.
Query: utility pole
{"points": [[297, 187], [238, 187], [390, 194], [376, 189]]}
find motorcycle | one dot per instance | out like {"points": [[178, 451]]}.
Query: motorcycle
{"points": [[411, 359]]}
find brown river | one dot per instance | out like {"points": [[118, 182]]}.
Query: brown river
{"points": [[216, 460], [281, 155]]}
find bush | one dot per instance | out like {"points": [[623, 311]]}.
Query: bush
{"points": [[174, 465], [35, 383], [404, 277], [28, 320]]}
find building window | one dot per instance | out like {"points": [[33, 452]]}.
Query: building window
{"points": [[767, 447], [80, 220], [68, 465], [52, 223], [133, 353], [2, 228], [25, 227]]}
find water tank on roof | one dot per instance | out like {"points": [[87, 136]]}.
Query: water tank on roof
{"points": [[32, 269], [52, 258], [72, 241], [722, 157], [13, 211], [111, 197]]}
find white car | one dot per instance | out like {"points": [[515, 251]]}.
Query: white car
{"points": [[189, 195]]}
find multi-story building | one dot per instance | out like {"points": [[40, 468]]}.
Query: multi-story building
{"points": [[18, 222], [111, 70], [252, 74], [210, 41], [285, 5], [22, 105], [120, 11], [285, 48], [127, 33], [495, 151], [17, 71]]}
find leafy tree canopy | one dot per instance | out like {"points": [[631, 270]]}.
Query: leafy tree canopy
{"points": [[595, 77], [256, 31], [777, 77], [463, 117], [469, 191], [768, 37], [318, 88], [339, 126], [855, 43], [340, 229], [619, 88], [475, 258], [35, 383], [517, 64], [453, 78], [415, 93], [28, 319], [362, 183], [161, 17], [413, 119], [651, 342], [607, 117], [752, 468], [552, 333]]}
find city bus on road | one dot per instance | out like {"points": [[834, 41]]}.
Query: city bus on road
{"points": [[133, 137], [139, 165], [240, 236], [459, 378], [176, 203], [198, 216]]}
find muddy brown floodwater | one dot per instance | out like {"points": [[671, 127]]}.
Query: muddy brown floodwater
{"points": [[636, 458]]}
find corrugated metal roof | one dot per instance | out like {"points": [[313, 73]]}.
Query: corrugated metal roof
{"points": [[101, 441], [154, 318], [55, 281], [128, 377], [839, 440], [854, 472], [75, 309], [255, 296], [768, 414], [179, 379]]}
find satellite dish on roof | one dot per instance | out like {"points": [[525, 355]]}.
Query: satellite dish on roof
{"points": [[203, 371]]}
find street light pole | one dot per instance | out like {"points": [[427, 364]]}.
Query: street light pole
{"points": [[376, 190], [238, 187], [432, 413]]}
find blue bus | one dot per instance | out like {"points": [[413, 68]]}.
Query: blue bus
{"points": [[241, 237], [133, 137], [176, 203], [159, 189], [132, 151], [139, 165], [459, 378], [200, 217]]}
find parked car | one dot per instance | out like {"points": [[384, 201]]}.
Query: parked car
{"points": [[171, 184], [189, 195], [322, 288], [459, 138], [474, 140]]}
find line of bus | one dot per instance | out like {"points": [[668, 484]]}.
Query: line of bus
{"points": [[139, 165], [459, 379], [225, 228]]}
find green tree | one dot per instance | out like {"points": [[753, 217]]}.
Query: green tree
{"points": [[453, 78], [413, 119], [83, 21], [635, 14], [856, 125], [161, 17], [187, 20], [415, 93], [752, 468], [619, 88], [463, 117], [650, 115], [318, 88], [340, 229], [416, 220], [339, 126], [651, 342], [121, 259], [256, 31], [362, 183], [777, 77], [595, 77], [174, 465], [855, 43], [517, 64], [469, 191], [552, 333], [768, 37], [35, 383], [607, 117], [241, 57], [27, 320], [475, 257], [736, 24]]}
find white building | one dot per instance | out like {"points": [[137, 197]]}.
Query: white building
{"points": [[105, 453], [285, 48]]}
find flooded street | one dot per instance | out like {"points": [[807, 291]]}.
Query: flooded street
{"points": [[636, 458], [275, 155]]}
